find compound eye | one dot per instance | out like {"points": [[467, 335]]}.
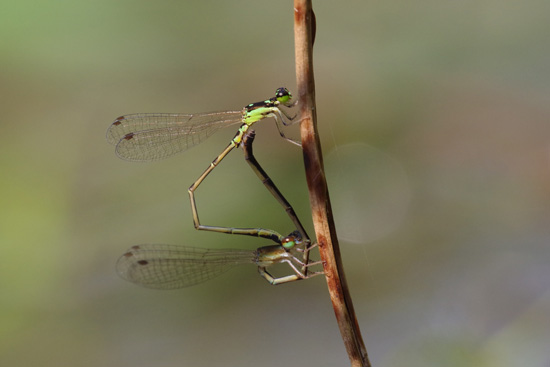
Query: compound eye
{"points": [[288, 242], [282, 92]]}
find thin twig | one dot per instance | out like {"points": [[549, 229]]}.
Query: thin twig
{"points": [[323, 221]]}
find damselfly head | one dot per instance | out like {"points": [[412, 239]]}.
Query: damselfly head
{"points": [[283, 96]]}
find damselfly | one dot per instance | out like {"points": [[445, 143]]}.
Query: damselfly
{"points": [[170, 267], [153, 136]]}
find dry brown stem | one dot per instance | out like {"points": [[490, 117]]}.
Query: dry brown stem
{"points": [[323, 221]]}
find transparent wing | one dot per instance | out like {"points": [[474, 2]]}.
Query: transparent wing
{"points": [[170, 267], [153, 136]]}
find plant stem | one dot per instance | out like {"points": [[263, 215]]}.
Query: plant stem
{"points": [[323, 221]]}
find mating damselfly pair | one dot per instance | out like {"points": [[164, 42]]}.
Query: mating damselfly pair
{"points": [[153, 136]]}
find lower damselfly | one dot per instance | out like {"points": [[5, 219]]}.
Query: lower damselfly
{"points": [[170, 267]]}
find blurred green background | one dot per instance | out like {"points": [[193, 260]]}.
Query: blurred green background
{"points": [[434, 119]]}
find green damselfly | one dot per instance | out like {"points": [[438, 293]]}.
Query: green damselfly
{"points": [[153, 136], [145, 137]]}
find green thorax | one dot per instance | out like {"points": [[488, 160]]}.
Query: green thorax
{"points": [[257, 111]]}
